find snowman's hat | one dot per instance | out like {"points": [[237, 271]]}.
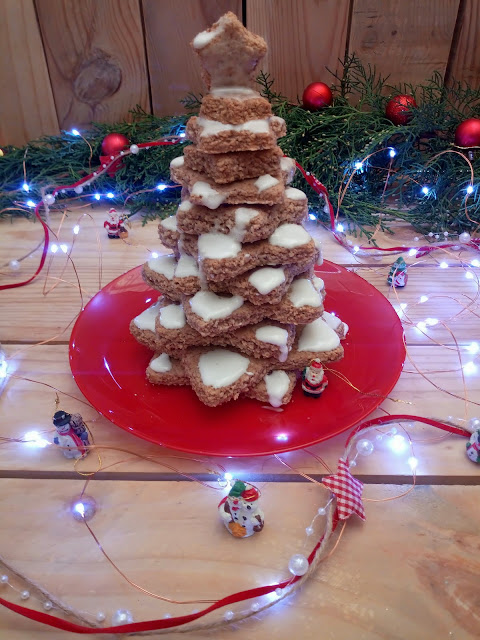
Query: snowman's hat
{"points": [[61, 418], [250, 495]]}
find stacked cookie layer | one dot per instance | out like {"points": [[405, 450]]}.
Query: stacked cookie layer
{"points": [[241, 311]]}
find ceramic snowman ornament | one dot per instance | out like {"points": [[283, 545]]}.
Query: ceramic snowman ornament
{"points": [[473, 447], [72, 435], [240, 512]]}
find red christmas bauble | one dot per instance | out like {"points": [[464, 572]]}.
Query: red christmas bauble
{"points": [[113, 143], [316, 96], [467, 134], [398, 109]]}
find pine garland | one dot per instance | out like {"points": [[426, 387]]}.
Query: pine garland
{"points": [[327, 143]]}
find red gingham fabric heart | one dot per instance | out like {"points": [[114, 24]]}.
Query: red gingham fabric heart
{"points": [[348, 491]]}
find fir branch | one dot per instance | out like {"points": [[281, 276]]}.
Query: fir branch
{"points": [[327, 143]]}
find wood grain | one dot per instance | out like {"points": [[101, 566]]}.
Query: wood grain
{"points": [[43, 317], [464, 64], [303, 37], [28, 406], [174, 69], [410, 571], [96, 58], [27, 108], [406, 40]]}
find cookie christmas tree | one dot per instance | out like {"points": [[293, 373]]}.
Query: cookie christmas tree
{"points": [[241, 311]]}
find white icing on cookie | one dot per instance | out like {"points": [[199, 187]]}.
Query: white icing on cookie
{"points": [[172, 316], [204, 37], [267, 279], [295, 194], [318, 283], [318, 336], [186, 205], [280, 121], [255, 126], [265, 182], [210, 197], [178, 162], [302, 293], [169, 223], [289, 236], [277, 384], [146, 320], [161, 364], [221, 368], [236, 92], [331, 320], [217, 246], [272, 334], [243, 217], [214, 127], [334, 322], [318, 245], [287, 165], [186, 266], [165, 265], [209, 306]]}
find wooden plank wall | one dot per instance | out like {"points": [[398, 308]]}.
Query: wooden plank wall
{"points": [[65, 63]]}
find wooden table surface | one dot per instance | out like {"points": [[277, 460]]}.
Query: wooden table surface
{"points": [[412, 570]]}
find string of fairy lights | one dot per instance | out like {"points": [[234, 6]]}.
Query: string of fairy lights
{"points": [[84, 509]]}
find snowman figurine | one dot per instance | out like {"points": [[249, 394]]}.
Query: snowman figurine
{"points": [[240, 512], [72, 435], [314, 380], [473, 447]]}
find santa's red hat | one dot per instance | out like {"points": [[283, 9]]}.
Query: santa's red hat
{"points": [[112, 210], [250, 495], [316, 364]]}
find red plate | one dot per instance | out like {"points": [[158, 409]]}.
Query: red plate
{"points": [[109, 368]]}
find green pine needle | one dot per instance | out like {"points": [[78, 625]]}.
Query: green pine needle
{"points": [[327, 143]]}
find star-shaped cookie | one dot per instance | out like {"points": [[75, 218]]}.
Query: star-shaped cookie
{"points": [[229, 53]]}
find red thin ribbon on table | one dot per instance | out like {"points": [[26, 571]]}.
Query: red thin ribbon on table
{"points": [[46, 235], [316, 185], [167, 623], [143, 145], [164, 623]]}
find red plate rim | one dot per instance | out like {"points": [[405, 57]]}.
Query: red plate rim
{"points": [[98, 353]]}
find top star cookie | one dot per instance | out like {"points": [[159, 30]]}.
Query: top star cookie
{"points": [[229, 53]]}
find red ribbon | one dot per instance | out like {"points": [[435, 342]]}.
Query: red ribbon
{"points": [[164, 623], [46, 236], [110, 166], [167, 623]]}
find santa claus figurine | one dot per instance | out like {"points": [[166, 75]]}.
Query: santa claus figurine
{"points": [[72, 434], [314, 380], [473, 447], [240, 512], [115, 225]]}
